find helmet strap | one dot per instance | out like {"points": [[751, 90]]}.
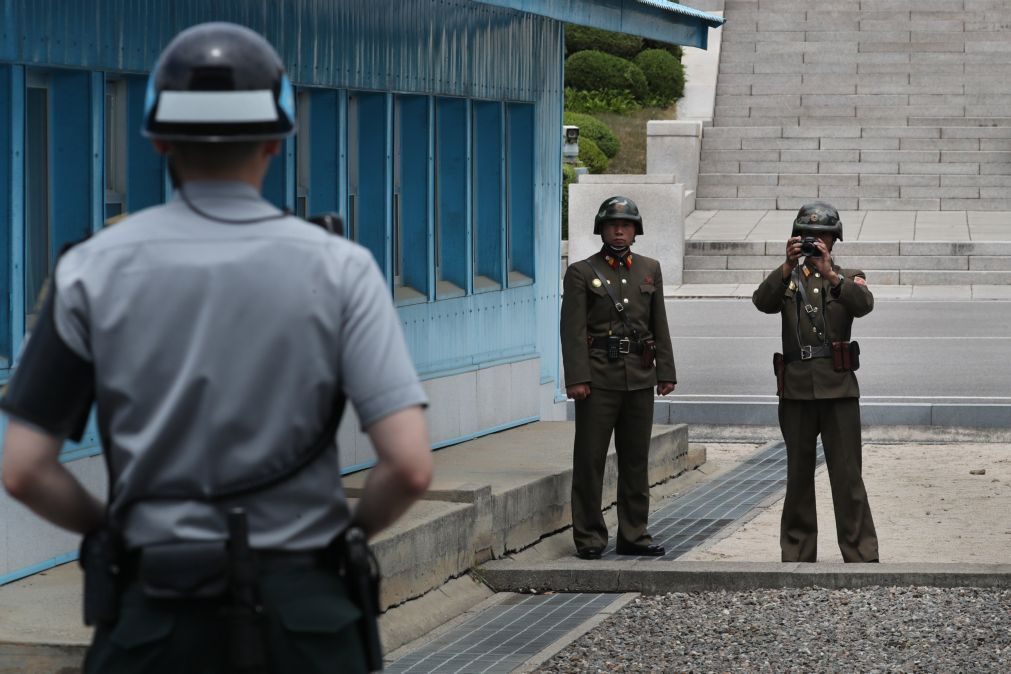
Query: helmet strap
{"points": [[618, 252]]}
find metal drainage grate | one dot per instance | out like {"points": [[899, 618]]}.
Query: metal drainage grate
{"points": [[685, 521], [504, 636]]}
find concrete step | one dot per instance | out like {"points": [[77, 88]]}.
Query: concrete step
{"points": [[885, 262]]}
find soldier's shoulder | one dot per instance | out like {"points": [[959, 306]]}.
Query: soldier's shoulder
{"points": [[646, 261], [852, 273]]}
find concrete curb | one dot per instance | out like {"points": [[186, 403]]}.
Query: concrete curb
{"points": [[660, 576], [730, 412]]}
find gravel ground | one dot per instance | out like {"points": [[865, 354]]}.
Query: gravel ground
{"points": [[878, 629]]}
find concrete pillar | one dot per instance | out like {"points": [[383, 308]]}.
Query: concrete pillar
{"points": [[673, 147], [660, 199]]}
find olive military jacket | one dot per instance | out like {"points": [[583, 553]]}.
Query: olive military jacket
{"points": [[816, 378], [588, 311]]}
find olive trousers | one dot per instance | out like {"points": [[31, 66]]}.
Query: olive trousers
{"points": [[309, 626], [629, 415], [837, 420]]}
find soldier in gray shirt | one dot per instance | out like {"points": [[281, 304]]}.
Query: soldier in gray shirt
{"points": [[218, 338]]}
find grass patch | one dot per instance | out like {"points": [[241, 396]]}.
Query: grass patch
{"points": [[631, 132]]}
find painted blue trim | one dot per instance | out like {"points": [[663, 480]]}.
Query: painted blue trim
{"points": [[387, 199], [67, 456], [468, 251], [365, 465], [342, 154], [36, 568], [488, 431], [145, 170], [654, 19], [18, 101], [97, 173], [432, 198], [10, 175], [473, 367]]}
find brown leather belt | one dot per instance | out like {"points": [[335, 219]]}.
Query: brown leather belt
{"points": [[809, 352], [625, 344]]}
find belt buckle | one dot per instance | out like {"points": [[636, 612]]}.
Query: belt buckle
{"points": [[624, 345], [806, 352]]}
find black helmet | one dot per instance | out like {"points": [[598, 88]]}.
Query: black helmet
{"points": [[817, 218], [219, 82], [618, 208]]}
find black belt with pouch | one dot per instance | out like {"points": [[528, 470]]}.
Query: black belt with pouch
{"points": [[845, 355]]}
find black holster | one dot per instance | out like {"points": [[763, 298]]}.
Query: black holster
{"points": [[101, 557], [359, 569]]}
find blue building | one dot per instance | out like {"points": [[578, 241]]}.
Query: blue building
{"points": [[432, 126]]}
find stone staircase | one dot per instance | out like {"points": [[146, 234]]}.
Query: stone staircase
{"points": [[947, 263], [868, 104]]}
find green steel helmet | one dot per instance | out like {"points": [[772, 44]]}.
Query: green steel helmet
{"points": [[219, 82], [817, 218], [618, 208]]}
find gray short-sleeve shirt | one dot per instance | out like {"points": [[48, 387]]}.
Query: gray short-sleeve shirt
{"points": [[219, 351]]}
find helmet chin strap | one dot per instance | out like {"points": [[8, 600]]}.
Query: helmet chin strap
{"points": [[618, 252]]}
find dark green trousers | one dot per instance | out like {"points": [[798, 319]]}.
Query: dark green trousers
{"points": [[838, 422], [309, 626], [629, 414]]}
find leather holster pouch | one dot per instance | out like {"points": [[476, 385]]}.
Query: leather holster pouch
{"points": [[186, 570], [779, 367], [854, 356], [648, 355], [841, 360]]}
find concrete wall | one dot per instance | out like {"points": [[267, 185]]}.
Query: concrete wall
{"points": [[660, 199]]}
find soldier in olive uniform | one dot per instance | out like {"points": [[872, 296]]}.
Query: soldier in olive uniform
{"points": [[613, 328], [818, 392]]}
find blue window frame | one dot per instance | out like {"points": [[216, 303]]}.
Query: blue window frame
{"points": [[488, 206], [38, 234], [520, 192], [145, 168], [322, 135], [368, 170], [116, 142], [411, 200], [452, 213]]}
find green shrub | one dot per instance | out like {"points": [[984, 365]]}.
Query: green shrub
{"points": [[594, 129], [591, 156], [673, 49], [620, 102], [568, 176], [580, 38], [665, 75], [594, 70]]}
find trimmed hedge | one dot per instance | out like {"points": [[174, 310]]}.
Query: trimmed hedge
{"points": [[591, 156], [592, 70], [673, 49], [594, 129], [665, 75], [580, 38]]}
